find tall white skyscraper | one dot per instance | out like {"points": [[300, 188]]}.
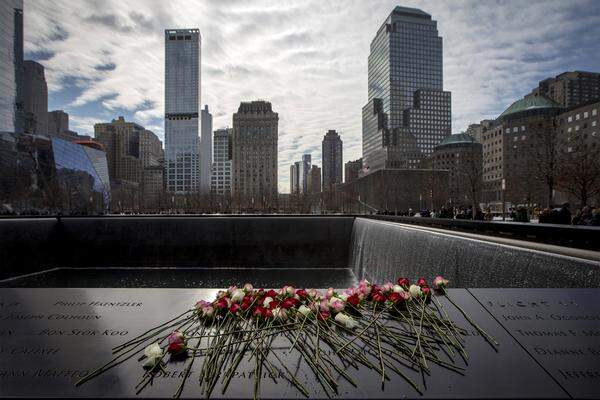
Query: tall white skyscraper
{"points": [[206, 150], [221, 175], [182, 100], [11, 56]]}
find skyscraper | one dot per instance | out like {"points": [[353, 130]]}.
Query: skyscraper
{"points": [[303, 173], [206, 150], [11, 54], [254, 154], [182, 99], [314, 180], [221, 172], [332, 160], [407, 113], [58, 123], [35, 98], [295, 178]]}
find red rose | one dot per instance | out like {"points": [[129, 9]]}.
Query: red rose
{"points": [[394, 297], [176, 343], [234, 308], [271, 293], [421, 282], [288, 303], [302, 293], [246, 301], [258, 312], [426, 291], [404, 282], [353, 300], [323, 315], [222, 303], [378, 297]]}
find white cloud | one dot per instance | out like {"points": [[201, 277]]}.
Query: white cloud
{"points": [[308, 58]]}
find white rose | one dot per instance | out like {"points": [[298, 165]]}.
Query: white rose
{"points": [[397, 289], [346, 320], [237, 296], [415, 291], [154, 355], [267, 301], [280, 313], [304, 310]]}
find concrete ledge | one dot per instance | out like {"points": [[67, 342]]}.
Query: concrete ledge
{"points": [[381, 250]]}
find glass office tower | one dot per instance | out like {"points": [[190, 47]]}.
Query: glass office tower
{"points": [[11, 56], [182, 100], [407, 113]]}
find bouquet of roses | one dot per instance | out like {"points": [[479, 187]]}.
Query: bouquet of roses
{"points": [[387, 328]]}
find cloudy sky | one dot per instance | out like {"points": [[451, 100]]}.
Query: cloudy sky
{"points": [[105, 58]]}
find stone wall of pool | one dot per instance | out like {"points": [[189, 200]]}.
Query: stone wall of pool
{"points": [[377, 250]]}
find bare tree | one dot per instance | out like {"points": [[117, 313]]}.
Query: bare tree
{"points": [[580, 171]]}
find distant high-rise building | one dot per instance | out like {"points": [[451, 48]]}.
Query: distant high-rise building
{"points": [[407, 113], [477, 130], [221, 171], [11, 54], [314, 179], [571, 88], [352, 170], [254, 154], [58, 123], [295, 178], [332, 160], [134, 155], [303, 173], [206, 150], [182, 99], [35, 98]]}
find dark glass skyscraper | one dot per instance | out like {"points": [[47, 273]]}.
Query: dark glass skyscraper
{"points": [[332, 157], [407, 113], [11, 59]]}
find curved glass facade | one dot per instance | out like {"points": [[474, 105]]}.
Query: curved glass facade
{"points": [[83, 172]]}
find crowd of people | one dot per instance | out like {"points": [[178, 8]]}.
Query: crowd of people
{"points": [[587, 216]]}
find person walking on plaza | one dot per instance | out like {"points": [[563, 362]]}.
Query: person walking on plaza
{"points": [[564, 214]]}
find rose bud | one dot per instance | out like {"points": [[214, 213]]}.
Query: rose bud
{"points": [[176, 343], [379, 297], [415, 291], [426, 291], [323, 315], [440, 283], [221, 294], [154, 354], [222, 304], [271, 293], [248, 288], [302, 293], [394, 297], [354, 300], [329, 293], [336, 304], [237, 295], [234, 308], [421, 282], [404, 282], [287, 303]]}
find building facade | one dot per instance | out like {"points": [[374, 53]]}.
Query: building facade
{"points": [[461, 155], [571, 88], [221, 171], [407, 113], [518, 149], [182, 100], [314, 180], [35, 98], [11, 54], [332, 158], [352, 170], [295, 178], [135, 157], [58, 123], [206, 150], [303, 173], [254, 155]]}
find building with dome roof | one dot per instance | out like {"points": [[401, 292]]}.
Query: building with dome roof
{"points": [[518, 150], [461, 155]]}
